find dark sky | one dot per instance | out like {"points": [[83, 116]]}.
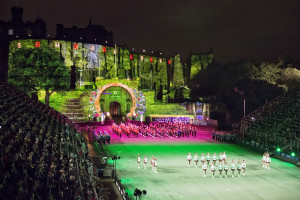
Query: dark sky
{"points": [[234, 29]]}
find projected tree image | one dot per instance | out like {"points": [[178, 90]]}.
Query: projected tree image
{"points": [[38, 68]]}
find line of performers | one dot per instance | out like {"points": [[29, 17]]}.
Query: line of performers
{"points": [[156, 129], [222, 166], [153, 163]]}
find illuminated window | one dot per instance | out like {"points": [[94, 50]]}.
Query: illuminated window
{"points": [[10, 31], [57, 44], [37, 44], [75, 46], [19, 45]]}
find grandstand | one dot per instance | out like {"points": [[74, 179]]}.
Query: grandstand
{"points": [[275, 126], [42, 154]]}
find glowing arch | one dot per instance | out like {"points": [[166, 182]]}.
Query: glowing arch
{"points": [[97, 100]]}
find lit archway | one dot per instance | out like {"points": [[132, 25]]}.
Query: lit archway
{"points": [[100, 91]]}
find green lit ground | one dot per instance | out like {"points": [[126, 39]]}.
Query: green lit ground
{"points": [[175, 180]]}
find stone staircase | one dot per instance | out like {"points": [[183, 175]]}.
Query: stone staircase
{"points": [[74, 110]]}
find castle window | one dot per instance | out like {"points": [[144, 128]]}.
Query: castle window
{"points": [[10, 31]]}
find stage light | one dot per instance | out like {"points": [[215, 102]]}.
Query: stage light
{"points": [[293, 154], [144, 50], [105, 42], [278, 149], [138, 192]]}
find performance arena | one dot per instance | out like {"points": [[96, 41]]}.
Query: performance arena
{"points": [[77, 121]]}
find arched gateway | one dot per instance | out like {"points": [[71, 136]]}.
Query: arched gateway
{"points": [[115, 94]]}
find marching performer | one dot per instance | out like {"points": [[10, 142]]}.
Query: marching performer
{"points": [[220, 157], [155, 165], [207, 159], [138, 160], [220, 168], [213, 169], [239, 168], [145, 162], [214, 158], [202, 158], [226, 168], [232, 168], [204, 167], [224, 156], [196, 159], [264, 165], [268, 161], [244, 167], [152, 163], [189, 158]]}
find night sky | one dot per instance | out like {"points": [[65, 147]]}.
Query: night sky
{"points": [[234, 29]]}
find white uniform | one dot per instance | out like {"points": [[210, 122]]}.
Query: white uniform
{"points": [[232, 168], [155, 164], [220, 168], [138, 161], [244, 167], [189, 158], [145, 162], [196, 159], [204, 167], [213, 169]]}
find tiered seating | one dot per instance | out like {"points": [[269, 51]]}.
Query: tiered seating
{"points": [[41, 154], [276, 124]]}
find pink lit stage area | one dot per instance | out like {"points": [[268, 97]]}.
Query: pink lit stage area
{"points": [[203, 135]]}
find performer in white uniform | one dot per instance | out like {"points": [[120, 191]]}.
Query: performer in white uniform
{"points": [[152, 163], [145, 162], [207, 159], [138, 160], [268, 161], [202, 158], [244, 167], [264, 158], [204, 167], [239, 168], [189, 158], [226, 168], [214, 158], [220, 157], [155, 165], [220, 168], [213, 169], [224, 156], [232, 168], [196, 159]]}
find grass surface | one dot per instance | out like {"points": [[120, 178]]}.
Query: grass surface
{"points": [[175, 180], [58, 99]]}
